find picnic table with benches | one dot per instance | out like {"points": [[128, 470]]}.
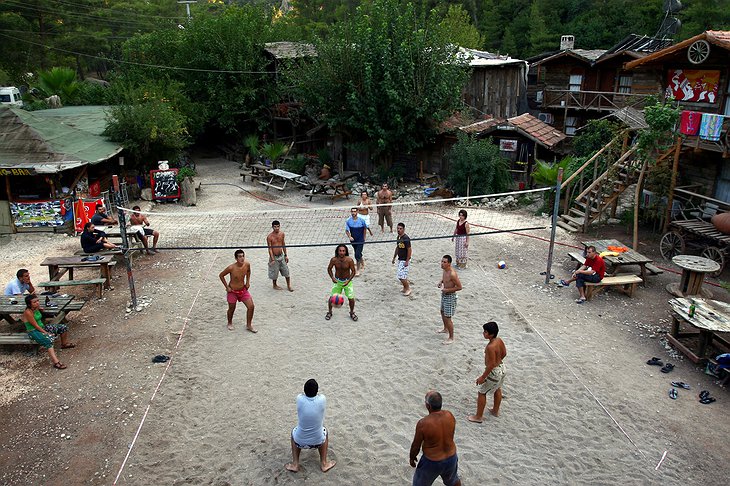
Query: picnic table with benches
{"points": [[332, 189], [283, 177], [55, 313], [59, 266]]}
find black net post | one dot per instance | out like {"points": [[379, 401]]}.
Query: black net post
{"points": [[125, 240], [556, 208]]}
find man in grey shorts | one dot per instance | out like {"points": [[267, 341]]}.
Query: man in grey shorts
{"points": [[278, 258], [493, 376]]}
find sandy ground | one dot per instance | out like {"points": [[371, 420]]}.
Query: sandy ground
{"points": [[581, 406]]}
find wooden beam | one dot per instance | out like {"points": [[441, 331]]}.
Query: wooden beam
{"points": [[672, 184]]}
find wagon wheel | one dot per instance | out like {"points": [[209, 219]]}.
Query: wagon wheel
{"points": [[717, 255], [671, 245]]}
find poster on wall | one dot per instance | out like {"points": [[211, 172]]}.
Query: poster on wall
{"points": [[508, 145], [693, 85], [39, 214]]}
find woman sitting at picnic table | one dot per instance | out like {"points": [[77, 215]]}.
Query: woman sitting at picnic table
{"points": [[93, 240], [44, 334]]}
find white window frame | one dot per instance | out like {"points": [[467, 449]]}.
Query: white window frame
{"points": [[571, 125], [575, 82], [625, 82]]}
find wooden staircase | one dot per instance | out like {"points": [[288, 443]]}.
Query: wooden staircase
{"points": [[601, 194]]}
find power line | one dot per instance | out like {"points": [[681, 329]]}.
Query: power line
{"points": [[140, 64], [115, 11], [75, 34], [76, 16]]}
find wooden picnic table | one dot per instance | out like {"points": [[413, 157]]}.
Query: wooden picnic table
{"points": [[284, 177], [259, 169], [694, 268], [624, 259], [332, 189], [711, 317], [60, 304], [58, 266]]}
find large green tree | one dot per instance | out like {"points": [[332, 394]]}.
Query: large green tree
{"points": [[384, 79], [218, 58]]}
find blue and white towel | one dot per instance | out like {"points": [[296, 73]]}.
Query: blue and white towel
{"points": [[710, 127]]}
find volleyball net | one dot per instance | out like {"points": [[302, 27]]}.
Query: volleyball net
{"points": [[183, 229]]}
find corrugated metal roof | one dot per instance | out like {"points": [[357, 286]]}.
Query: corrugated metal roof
{"points": [[639, 43], [720, 38], [50, 141], [485, 59], [290, 50]]}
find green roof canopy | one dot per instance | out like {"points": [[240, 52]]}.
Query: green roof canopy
{"points": [[50, 141]]}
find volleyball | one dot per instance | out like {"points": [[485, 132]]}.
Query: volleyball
{"points": [[501, 264], [337, 300]]}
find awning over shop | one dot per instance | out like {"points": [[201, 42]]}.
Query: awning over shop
{"points": [[50, 141]]}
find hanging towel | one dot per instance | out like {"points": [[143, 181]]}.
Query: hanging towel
{"points": [[690, 122], [710, 127]]}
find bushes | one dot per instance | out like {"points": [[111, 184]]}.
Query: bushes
{"points": [[477, 167]]}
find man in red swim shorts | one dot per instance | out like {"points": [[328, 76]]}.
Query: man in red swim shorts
{"points": [[237, 288]]}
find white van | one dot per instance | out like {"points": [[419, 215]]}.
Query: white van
{"points": [[10, 96]]}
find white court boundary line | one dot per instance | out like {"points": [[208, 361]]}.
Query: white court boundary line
{"points": [[567, 366], [186, 319]]}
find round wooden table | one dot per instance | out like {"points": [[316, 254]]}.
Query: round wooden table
{"points": [[694, 269]]}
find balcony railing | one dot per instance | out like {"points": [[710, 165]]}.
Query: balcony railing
{"points": [[592, 100]]}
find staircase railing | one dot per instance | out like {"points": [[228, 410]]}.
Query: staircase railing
{"points": [[579, 178]]}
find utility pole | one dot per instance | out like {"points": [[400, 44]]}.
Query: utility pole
{"points": [[187, 5]]}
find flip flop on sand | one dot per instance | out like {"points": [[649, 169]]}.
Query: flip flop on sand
{"points": [[704, 394], [68, 346], [707, 401], [328, 316], [353, 316], [667, 368], [673, 393], [60, 366], [655, 362], [680, 384]]}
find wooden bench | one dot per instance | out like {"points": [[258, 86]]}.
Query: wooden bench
{"points": [[623, 283], [98, 282], [251, 176], [22, 337]]}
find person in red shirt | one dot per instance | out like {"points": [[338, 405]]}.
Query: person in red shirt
{"points": [[592, 271]]}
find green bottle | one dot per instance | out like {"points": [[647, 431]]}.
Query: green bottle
{"points": [[692, 309]]}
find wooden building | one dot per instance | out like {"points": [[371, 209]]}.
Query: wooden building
{"points": [[497, 85], [696, 73], [569, 87]]}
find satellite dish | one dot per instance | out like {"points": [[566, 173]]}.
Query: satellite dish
{"points": [[670, 26], [672, 6]]}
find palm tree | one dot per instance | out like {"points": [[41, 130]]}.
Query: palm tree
{"points": [[59, 81]]}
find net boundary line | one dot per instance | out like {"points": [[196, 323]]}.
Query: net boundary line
{"points": [[297, 209], [310, 245]]}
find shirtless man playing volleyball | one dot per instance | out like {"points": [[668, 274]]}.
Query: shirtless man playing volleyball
{"points": [[344, 272], [237, 288]]}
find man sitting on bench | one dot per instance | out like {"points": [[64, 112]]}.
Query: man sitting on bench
{"points": [[140, 220], [93, 240], [21, 284], [591, 271], [101, 218]]}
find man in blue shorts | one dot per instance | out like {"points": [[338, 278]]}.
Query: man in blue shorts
{"points": [[344, 272], [435, 434], [355, 228]]}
